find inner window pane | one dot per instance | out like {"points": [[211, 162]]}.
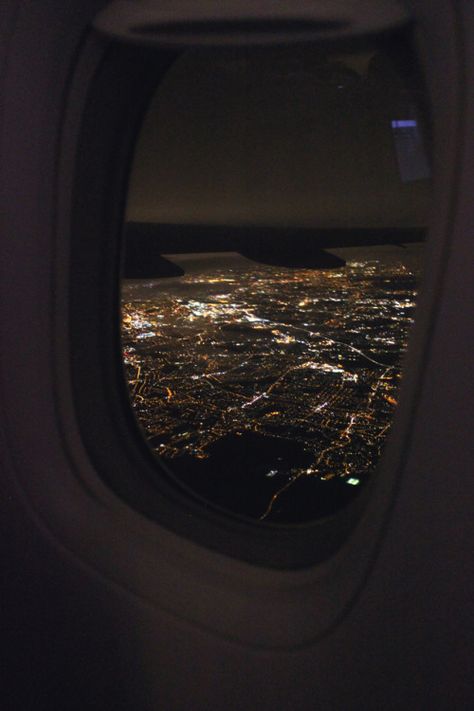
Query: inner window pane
{"points": [[273, 252]]}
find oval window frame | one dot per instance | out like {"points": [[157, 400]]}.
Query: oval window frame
{"points": [[116, 103]]}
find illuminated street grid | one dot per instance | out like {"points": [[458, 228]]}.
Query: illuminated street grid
{"points": [[311, 356]]}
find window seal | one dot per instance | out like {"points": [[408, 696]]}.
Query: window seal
{"points": [[117, 100]]}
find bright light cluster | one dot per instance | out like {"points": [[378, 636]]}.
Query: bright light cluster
{"points": [[311, 356]]}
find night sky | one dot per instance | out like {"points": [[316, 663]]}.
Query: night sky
{"points": [[276, 136]]}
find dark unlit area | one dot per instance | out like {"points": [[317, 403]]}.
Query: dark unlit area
{"points": [[282, 137]]}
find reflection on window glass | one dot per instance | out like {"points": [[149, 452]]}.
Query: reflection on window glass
{"points": [[273, 248]]}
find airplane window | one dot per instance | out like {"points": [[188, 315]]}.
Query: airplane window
{"points": [[273, 247]]}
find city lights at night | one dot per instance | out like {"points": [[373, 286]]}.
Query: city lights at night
{"points": [[294, 373]]}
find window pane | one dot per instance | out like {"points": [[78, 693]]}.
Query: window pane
{"points": [[274, 231]]}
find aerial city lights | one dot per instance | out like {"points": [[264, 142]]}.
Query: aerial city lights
{"points": [[296, 371]]}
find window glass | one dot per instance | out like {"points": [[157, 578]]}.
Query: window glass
{"points": [[275, 219]]}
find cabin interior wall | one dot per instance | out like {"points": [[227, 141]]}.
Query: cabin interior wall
{"points": [[72, 638]]}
